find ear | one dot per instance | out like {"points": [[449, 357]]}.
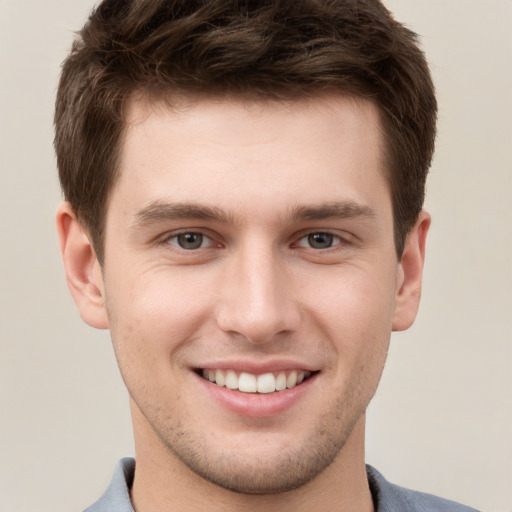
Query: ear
{"points": [[83, 271], [410, 274]]}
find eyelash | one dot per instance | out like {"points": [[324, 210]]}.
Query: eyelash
{"points": [[335, 240], [174, 240]]}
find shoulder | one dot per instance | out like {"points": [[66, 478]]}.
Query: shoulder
{"points": [[389, 497], [117, 496]]}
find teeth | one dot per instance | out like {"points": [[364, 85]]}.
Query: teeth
{"points": [[266, 383], [281, 382], [291, 381], [249, 383], [231, 380], [220, 378]]}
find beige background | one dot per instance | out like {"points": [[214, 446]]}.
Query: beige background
{"points": [[442, 419]]}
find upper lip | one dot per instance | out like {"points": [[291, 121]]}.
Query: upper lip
{"points": [[257, 367]]}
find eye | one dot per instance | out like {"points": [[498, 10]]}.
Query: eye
{"points": [[190, 241], [320, 240]]}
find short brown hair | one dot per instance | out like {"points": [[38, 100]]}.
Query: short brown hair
{"points": [[268, 49]]}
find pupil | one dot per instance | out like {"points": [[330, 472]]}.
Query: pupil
{"points": [[320, 240], [190, 240]]}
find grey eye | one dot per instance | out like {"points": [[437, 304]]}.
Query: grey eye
{"points": [[320, 240], [190, 241]]}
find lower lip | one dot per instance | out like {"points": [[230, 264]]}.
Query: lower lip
{"points": [[257, 405]]}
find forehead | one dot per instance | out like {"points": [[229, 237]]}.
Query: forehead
{"points": [[225, 152], [348, 114]]}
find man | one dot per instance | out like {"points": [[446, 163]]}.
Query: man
{"points": [[244, 185]]}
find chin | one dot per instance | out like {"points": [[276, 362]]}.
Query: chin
{"points": [[261, 463]]}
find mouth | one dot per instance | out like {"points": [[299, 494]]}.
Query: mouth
{"points": [[264, 383]]}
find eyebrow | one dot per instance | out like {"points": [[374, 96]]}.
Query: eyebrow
{"points": [[336, 209], [159, 211]]}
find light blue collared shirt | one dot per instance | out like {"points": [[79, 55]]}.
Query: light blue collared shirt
{"points": [[387, 497]]}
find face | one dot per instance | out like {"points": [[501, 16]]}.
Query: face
{"points": [[251, 283]]}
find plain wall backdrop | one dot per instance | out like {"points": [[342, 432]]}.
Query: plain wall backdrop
{"points": [[441, 421]]}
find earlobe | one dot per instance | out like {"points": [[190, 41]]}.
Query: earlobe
{"points": [[410, 274], [83, 272]]}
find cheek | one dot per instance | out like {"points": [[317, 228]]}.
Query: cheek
{"points": [[151, 317], [157, 300], [354, 313], [353, 300]]}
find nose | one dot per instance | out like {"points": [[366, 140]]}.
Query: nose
{"points": [[257, 299]]}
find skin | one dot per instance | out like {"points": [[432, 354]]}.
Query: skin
{"points": [[255, 180]]}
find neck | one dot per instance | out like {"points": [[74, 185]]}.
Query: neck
{"points": [[163, 483]]}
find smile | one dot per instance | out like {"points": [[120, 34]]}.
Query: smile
{"points": [[250, 383]]}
